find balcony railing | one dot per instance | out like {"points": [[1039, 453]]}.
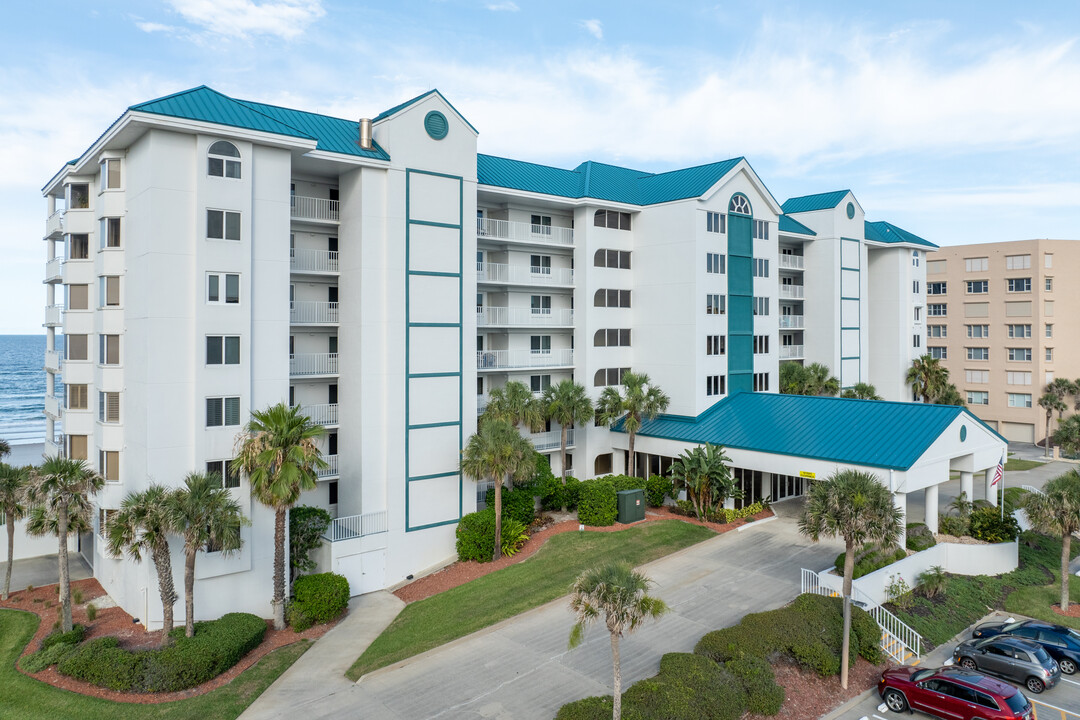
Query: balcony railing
{"points": [[551, 440], [313, 312], [791, 352], [356, 526], [482, 403], [313, 364], [53, 406], [53, 315], [53, 270], [523, 274], [324, 414], [791, 322], [304, 260], [791, 291], [52, 448], [791, 262], [331, 469], [523, 232], [522, 317], [53, 361], [312, 208], [54, 226], [510, 359]]}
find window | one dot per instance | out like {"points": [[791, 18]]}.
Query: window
{"points": [[715, 385], [761, 305], [980, 264], [109, 235], [109, 349], [1049, 330], [332, 492], [77, 347], [1020, 354], [1049, 284], [941, 353], [540, 304], [223, 160], [224, 470], [739, 204], [978, 331], [540, 264], [915, 286], [541, 224], [935, 267], [761, 344], [1049, 354], [936, 310], [78, 297], [916, 341], [105, 515], [539, 383], [915, 259], [109, 465], [540, 344], [77, 397], [761, 382], [609, 376], [109, 291], [1019, 284], [78, 247], [222, 349], [936, 288], [715, 344], [714, 304], [761, 267], [612, 219], [937, 331], [918, 313], [978, 353], [108, 407], [761, 230], [76, 447], [1018, 378], [222, 225], [110, 174], [1048, 260], [978, 397], [231, 283], [611, 338], [715, 263], [222, 411], [619, 259], [1048, 307], [715, 222], [78, 196], [612, 298], [980, 377], [978, 287], [1017, 262], [1021, 400], [602, 464], [1019, 331]]}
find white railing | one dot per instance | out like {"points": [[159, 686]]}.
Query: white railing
{"points": [[53, 315], [53, 269], [304, 260], [482, 403], [53, 406], [522, 316], [791, 262], [351, 527], [523, 232], [482, 491], [52, 448], [324, 414], [55, 224], [551, 440], [313, 312], [53, 360], [791, 352], [1031, 489], [791, 322], [331, 469], [312, 208], [791, 291], [313, 364], [523, 274], [507, 359]]}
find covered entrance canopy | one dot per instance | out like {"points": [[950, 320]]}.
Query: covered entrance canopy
{"points": [[909, 446]]}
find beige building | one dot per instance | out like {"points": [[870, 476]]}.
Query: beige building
{"points": [[1003, 318]]}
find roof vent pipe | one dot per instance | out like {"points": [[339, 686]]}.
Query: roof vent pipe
{"points": [[365, 133]]}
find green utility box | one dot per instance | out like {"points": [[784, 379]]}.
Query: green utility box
{"points": [[631, 504]]}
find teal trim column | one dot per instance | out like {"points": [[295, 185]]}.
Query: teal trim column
{"points": [[740, 305]]}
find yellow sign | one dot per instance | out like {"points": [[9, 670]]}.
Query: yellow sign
{"points": [[804, 474]]}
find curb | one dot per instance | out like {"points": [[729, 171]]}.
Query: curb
{"points": [[747, 526], [848, 705]]}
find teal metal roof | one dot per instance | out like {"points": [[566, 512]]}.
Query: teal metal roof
{"points": [[891, 435], [434, 91], [791, 225], [809, 203], [884, 232], [335, 135]]}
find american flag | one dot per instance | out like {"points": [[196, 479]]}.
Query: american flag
{"points": [[999, 474]]}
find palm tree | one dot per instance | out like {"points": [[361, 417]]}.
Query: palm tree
{"points": [[1057, 511], [822, 382], [142, 525], [794, 379], [61, 489], [1050, 401], [567, 404], [948, 394], [861, 391], [853, 505], [1063, 388], [705, 474], [14, 482], [278, 452], [1068, 435], [206, 515], [498, 451], [515, 403], [5, 448], [640, 400], [620, 594], [927, 377]]}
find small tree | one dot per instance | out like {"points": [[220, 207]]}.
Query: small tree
{"points": [[1068, 435], [515, 403], [861, 391], [948, 394], [705, 474], [1050, 402], [14, 483], [822, 381], [306, 527], [853, 505], [619, 594], [639, 400], [568, 404], [1057, 512], [5, 448], [927, 377]]}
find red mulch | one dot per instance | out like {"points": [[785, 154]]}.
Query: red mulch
{"points": [[114, 621], [809, 696], [1073, 611], [459, 573]]}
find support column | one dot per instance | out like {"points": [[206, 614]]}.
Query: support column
{"points": [[900, 503], [930, 501], [991, 491], [967, 484]]}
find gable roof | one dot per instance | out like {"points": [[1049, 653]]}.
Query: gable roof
{"points": [[335, 135], [789, 224], [434, 91], [874, 433], [809, 203], [884, 232]]}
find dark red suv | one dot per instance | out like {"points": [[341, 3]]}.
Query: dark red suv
{"points": [[952, 693]]}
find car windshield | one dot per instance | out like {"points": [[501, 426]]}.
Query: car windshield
{"points": [[1073, 635], [1042, 657], [919, 675], [1017, 702], [1011, 627]]}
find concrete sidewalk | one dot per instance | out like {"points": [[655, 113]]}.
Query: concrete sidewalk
{"points": [[44, 570]]}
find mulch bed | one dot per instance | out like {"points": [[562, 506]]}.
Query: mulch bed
{"points": [[459, 573], [115, 622], [1073, 611], [809, 696]]}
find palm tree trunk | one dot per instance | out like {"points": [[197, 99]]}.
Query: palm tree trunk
{"points": [[616, 712], [9, 519], [498, 520], [562, 465], [65, 577], [167, 590], [849, 570], [189, 592], [279, 568], [1066, 542], [633, 459], [1046, 443]]}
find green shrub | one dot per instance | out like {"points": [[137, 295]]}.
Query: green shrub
{"points": [[476, 536], [932, 582], [597, 503], [91, 612], [988, 525], [306, 526], [42, 659], [625, 482], [76, 636], [684, 507], [657, 489], [870, 558], [318, 599], [519, 503], [950, 525], [103, 663], [688, 687], [590, 708], [514, 535], [919, 537], [77, 596], [726, 515], [755, 675], [558, 495], [216, 646]]}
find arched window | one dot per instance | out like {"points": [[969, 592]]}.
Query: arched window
{"points": [[739, 204], [600, 379], [602, 464], [223, 160]]}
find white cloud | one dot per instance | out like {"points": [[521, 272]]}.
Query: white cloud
{"points": [[286, 19], [504, 6], [594, 27], [153, 27]]}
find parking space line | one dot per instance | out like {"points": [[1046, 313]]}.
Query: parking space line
{"points": [[879, 717], [1071, 682], [1063, 711]]}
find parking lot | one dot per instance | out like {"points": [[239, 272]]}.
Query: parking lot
{"points": [[1061, 702]]}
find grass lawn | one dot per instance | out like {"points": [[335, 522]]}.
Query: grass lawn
{"points": [[545, 576], [29, 699], [1012, 464]]}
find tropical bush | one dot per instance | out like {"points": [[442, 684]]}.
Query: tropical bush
{"points": [[726, 515], [556, 496], [657, 489], [763, 695], [476, 535], [955, 526], [919, 537], [36, 662], [518, 503], [103, 663], [317, 599], [932, 582], [988, 525], [76, 636], [306, 527], [597, 503], [869, 558]]}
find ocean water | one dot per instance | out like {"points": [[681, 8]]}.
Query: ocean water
{"points": [[22, 388]]}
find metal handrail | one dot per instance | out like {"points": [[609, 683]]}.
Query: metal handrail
{"points": [[524, 232], [351, 527]]}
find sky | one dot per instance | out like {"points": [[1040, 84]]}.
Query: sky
{"points": [[958, 121]]}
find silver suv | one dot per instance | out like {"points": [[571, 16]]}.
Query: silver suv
{"points": [[1015, 659]]}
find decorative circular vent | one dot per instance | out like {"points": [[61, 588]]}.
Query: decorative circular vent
{"points": [[851, 211], [436, 125], [963, 433]]}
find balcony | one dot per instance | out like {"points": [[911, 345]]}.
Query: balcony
{"points": [[313, 364], [312, 208], [487, 228], [53, 361], [54, 226], [551, 440], [523, 359], [356, 526], [331, 469], [54, 315], [791, 292], [313, 261], [791, 322], [53, 270], [523, 274], [482, 403], [791, 262], [522, 317], [324, 414], [53, 406], [791, 352], [52, 448], [313, 312]]}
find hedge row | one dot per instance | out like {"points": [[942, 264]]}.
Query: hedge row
{"points": [[317, 599], [870, 558]]}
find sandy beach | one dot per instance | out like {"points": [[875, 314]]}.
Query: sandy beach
{"points": [[28, 454]]}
